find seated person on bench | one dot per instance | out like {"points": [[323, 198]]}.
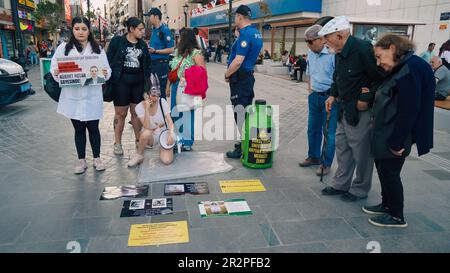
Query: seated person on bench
{"points": [[442, 75]]}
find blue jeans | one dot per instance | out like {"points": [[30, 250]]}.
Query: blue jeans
{"points": [[184, 121], [33, 58], [317, 119]]}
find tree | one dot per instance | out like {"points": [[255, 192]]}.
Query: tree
{"points": [[91, 13], [49, 14]]}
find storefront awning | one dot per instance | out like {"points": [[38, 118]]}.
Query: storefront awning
{"points": [[384, 21], [276, 9]]}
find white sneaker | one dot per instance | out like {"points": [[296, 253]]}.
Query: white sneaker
{"points": [[98, 164], [118, 150], [80, 167], [136, 160]]}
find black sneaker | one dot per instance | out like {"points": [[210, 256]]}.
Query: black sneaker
{"points": [[387, 220], [237, 145], [332, 191], [348, 197], [375, 210], [236, 154]]}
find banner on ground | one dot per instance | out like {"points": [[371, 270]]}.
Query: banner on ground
{"points": [[183, 188], [147, 207], [231, 207], [231, 186], [159, 234]]}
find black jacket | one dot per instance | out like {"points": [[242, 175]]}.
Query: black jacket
{"points": [[356, 68], [116, 55], [403, 110]]}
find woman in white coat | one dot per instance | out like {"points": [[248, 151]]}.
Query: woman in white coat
{"points": [[83, 105]]}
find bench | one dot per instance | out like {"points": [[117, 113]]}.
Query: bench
{"points": [[277, 70], [443, 104]]}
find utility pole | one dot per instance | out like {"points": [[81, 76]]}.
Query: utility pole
{"points": [[18, 33], [89, 10], [230, 13]]}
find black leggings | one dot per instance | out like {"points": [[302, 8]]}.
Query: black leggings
{"points": [[391, 184], [80, 137]]}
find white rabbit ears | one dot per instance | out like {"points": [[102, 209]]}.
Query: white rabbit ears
{"points": [[155, 88]]}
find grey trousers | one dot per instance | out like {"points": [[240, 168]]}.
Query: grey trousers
{"points": [[353, 152]]}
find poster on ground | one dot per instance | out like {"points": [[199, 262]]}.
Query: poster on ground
{"points": [[147, 207], [111, 193], [183, 188], [77, 71], [159, 234], [231, 207], [232, 186]]}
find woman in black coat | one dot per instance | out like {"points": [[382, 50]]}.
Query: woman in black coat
{"points": [[402, 115]]}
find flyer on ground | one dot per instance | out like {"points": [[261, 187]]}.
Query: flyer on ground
{"points": [[231, 207], [183, 188], [79, 71], [111, 193], [147, 207], [231, 186], [159, 234]]}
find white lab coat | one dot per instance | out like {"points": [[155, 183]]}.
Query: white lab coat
{"points": [[81, 103]]}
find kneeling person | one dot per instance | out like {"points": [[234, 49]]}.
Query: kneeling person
{"points": [[154, 114]]}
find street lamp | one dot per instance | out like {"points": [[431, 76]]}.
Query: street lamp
{"points": [[230, 11], [21, 59], [186, 9], [98, 13], [89, 10]]}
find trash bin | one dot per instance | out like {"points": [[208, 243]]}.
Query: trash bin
{"points": [[45, 68], [258, 144]]}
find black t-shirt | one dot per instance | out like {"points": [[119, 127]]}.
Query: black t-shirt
{"points": [[133, 62]]}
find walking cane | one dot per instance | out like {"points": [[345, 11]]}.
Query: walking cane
{"points": [[325, 144]]}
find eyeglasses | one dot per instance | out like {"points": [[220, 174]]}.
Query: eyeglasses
{"points": [[310, 42]]}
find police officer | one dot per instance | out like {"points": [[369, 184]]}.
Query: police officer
{"points": [[241, 63], [161, 46]]}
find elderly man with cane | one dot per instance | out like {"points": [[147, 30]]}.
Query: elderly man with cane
{"points": [[320, 70], [356, 68]]}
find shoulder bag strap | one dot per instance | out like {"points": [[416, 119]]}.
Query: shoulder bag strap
{"points": [[162, 112], [179, 64]]}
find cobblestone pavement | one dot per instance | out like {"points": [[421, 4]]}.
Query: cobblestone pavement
{"points": [[44, 206]]}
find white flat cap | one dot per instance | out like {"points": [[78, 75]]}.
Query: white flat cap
{"points": [[335, 25]]}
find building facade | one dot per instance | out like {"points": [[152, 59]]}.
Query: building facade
{"points": [[430, 18], [283, 26], [7, 29]]}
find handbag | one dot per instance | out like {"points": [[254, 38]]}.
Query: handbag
{"points": [[52, 87], [173, 74], [108, 91], [186, 102]]}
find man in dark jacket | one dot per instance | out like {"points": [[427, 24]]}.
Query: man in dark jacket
{"points": [[356, 68]]}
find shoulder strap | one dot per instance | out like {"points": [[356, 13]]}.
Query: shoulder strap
{"points": [[179, 64], [162, 112]]}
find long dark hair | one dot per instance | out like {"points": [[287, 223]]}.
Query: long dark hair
{"points": [[188, 42], [74, 42]]}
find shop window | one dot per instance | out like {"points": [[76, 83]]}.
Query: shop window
{"points": [[2, 3]]}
